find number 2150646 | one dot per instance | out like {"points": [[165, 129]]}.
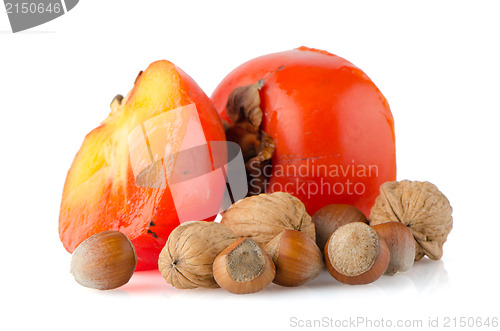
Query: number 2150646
{"points": [[32, 8], [470, 322]]}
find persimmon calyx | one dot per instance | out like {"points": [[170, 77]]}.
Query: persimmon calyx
{"points": [[243, 109], [243, 105]]}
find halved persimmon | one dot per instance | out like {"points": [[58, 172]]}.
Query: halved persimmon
{"points": [[101, 192]]}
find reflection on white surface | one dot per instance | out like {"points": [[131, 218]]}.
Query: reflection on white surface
{"points": [[426, 276], [429, 276]]}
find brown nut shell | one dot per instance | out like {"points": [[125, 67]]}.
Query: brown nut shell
{"points": [[401, 246], [186, 260], [264, 216], [355, 254], [331, 217], [296, 256], [104, 261], [243, 267], [422, 208]]}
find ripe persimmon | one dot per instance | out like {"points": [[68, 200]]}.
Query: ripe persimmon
{"points": [[330, 126], [102, 192]]}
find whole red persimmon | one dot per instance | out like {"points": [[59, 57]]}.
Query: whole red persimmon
{"points": [[312, 124]]}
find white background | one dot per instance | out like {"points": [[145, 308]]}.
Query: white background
{"points": [[437, 63]]}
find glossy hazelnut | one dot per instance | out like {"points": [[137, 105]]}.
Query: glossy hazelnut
{"points": [[355, 254], [331, 217], [104, 261], [296, 256], [243, 267], [401, 245]]}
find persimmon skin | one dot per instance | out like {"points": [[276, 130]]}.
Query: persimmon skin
{"points": [[328, 120], [101, 193]]}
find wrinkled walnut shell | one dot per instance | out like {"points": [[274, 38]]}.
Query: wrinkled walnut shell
{"points": [[422, 208], [186, 260], [262, 217]]}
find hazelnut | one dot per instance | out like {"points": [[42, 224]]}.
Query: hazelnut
{"points": [[401, 246], [186, 260], [262, 217], [104, 261], [422, 208], [355, 254], [296, 256], [331, 217], [243, 267]]}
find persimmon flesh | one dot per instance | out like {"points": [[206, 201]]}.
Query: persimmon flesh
{"points": [[101, 192]]}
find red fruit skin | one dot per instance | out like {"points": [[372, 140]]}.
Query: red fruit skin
{"points": [[146, 216], [321, 111]]}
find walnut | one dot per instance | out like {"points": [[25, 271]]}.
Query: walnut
{"points": [[186, 260], [422, 208], [264, 216]]}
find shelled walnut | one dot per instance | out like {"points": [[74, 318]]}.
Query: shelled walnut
{"points": [[422, 208]]}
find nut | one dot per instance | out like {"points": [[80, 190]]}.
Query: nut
{"points": [[186, 260], [243, 267], [401, 246], [422, 208], [264, 216], [331, 217], [104, 261], [355, 254], [296, 256]]}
